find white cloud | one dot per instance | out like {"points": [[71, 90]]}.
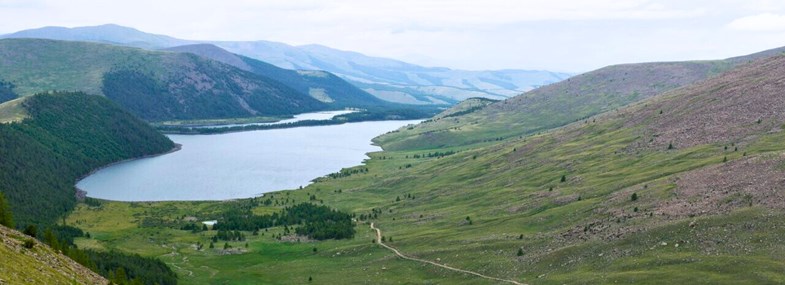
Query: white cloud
{"points": [[761, 22], [569, 35]]}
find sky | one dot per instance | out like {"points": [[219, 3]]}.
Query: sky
{"points": [[557, 35]]}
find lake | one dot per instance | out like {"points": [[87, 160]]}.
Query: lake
{"points": [[238, 165]]}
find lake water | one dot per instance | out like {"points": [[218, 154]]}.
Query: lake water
{"points": [[317, 116], [238, 165]]}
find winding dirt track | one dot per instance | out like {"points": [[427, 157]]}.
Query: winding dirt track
{"points": [[401, 255]]}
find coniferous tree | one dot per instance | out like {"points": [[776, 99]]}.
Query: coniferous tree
{"points": [[6, 218]]}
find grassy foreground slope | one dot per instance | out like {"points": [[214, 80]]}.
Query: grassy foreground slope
{"points": [[564, 102], [39, 264], [65, 136], [153, 85], [683, 188]]}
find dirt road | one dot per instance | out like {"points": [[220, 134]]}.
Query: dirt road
{"points": [[401, 255]]}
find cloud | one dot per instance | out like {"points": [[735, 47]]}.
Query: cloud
{"points": [[767, 22]]}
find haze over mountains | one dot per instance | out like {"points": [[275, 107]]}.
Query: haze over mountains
{"points": [[387, 79]]}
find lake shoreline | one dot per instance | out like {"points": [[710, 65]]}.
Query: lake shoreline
{"points": [[228, 130], [81, 194]]}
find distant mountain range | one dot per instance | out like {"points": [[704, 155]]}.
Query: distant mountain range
{"points": [[388, 79], [321, 85], [154, 85]]}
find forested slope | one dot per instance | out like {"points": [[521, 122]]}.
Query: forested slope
{"points": [[65, 137]]}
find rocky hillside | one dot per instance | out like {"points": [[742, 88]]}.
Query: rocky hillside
{"points": [[28, 261]]}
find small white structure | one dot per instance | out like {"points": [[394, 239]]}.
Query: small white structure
{"points": [[210, 223]]}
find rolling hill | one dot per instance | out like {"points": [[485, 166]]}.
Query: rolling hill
{"points": [[153, 85], [558, 104], [388, 79], [320, 85]]}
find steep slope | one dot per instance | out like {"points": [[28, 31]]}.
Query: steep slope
{"points": [[153, 85], [558, 104], [320, 85], [39, 264], [385, 78], [65, 136]]}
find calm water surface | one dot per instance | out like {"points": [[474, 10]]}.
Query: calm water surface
{"points": [[238, 165]]}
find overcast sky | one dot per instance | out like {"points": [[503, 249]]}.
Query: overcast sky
{"points": [[558, 35]]}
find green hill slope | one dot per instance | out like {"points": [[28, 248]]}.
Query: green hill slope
{"points": [[66, 136], [153, 85], [558, 104], [39, 264]]}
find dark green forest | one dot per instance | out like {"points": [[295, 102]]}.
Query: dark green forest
{"points": [[67, 136]]}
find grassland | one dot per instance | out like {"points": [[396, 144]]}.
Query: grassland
{"points": [[683, 188]]}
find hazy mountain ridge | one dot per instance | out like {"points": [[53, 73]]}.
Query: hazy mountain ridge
{"points": [[154, 85], [321, 85], [386, 75]]}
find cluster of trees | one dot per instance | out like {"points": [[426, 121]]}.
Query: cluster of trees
{"points": [[464, 112], [347, 172], [121, 268], [438, 154], [228, 236], [316, 222]]}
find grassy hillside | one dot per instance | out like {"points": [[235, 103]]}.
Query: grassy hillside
{"points": [[152, 85], [320, 85], [683, 188], [558, 104], [39, 264], [66, 136]]}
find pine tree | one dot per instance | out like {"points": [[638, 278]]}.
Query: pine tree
{"points": [[564, 178], [520, 252], [6, 218]]}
